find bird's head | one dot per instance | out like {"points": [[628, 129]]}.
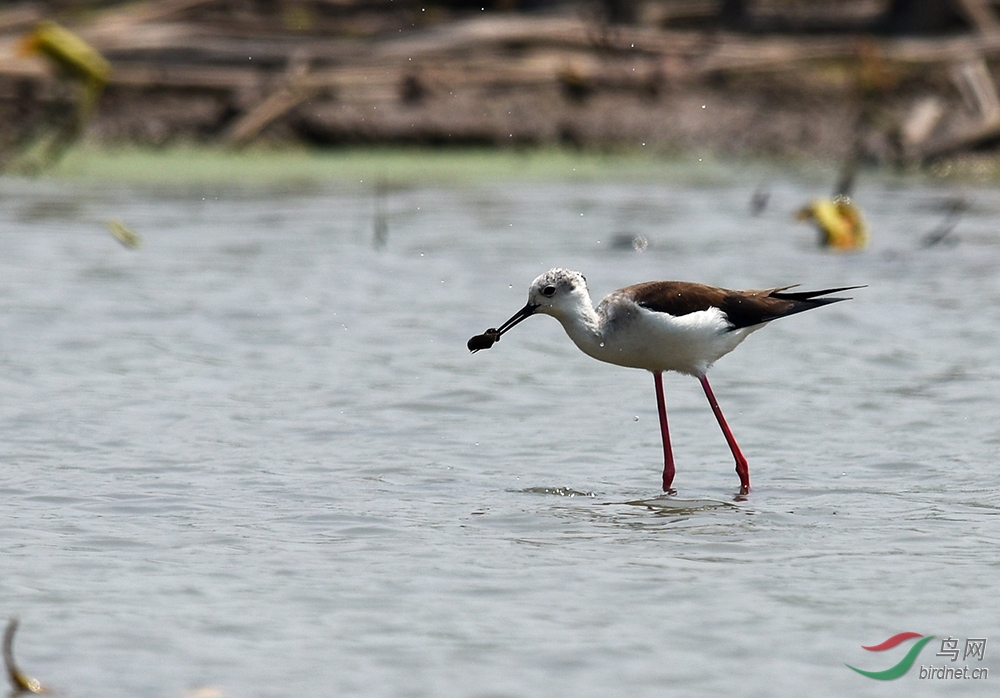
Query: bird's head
{"points": [[557, 292]]}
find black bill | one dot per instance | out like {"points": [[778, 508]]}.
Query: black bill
{"points": [[491, 336]]}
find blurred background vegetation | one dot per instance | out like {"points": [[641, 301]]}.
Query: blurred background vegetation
{"points": [[881, 81]]}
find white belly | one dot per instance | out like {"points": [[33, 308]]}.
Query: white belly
{"points": [[655, 341]]}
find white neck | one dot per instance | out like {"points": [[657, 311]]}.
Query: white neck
{"points": [[584, 325]]}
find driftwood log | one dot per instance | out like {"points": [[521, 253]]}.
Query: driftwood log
{"points": [[353, 72]]}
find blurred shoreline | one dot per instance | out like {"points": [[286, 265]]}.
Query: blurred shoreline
{"points": [[296, 168], [349, 74]]}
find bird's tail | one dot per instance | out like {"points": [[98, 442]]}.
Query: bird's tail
{"points": [[807, 300], [813, 295]]}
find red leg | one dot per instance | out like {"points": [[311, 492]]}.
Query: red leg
{"points": [[668, 455], [742, 469]]}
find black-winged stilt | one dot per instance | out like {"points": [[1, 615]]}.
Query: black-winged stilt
{"points": [[661, 326]]}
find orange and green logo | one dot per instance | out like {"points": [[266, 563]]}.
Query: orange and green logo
{"points": [[903, 666]]}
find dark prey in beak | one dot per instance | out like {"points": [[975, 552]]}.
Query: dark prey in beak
{"points": [[491, 336], [485, 340]]}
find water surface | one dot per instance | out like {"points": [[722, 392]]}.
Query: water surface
{"points": [[254, 458]]}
